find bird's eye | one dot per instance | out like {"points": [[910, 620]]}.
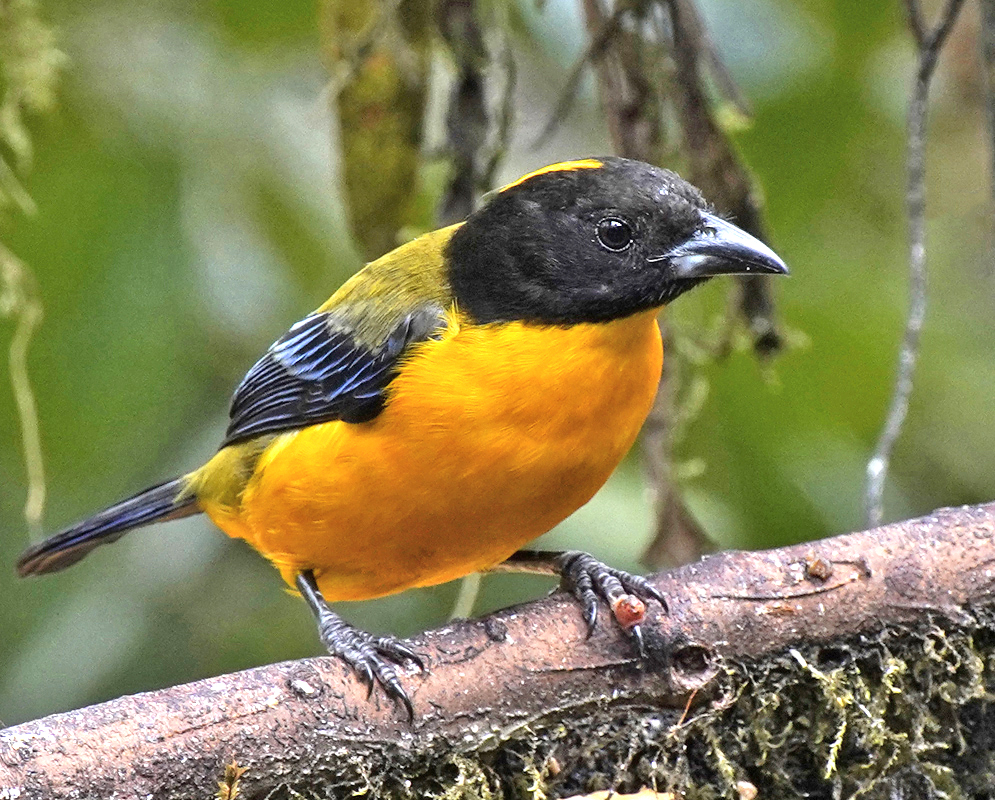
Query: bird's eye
{"points": [[614, 234]]}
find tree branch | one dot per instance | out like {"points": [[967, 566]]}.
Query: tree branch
{"points": [[929, 46], [813, 666]]}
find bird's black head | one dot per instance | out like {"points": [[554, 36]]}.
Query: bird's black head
{"points": [[593, 240]]}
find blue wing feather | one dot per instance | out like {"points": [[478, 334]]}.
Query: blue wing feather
{"points": [[318, 372]]}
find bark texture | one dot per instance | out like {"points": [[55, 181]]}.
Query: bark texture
{"points": [[863, 663]]}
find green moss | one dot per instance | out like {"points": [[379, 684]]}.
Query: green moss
{"points": [[472, 781], [904, 713], [859, 720], [30, 64]]}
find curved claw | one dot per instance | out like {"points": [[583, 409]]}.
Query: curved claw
{"points": [[591, 581], [398, 652], [588, 598], [365, 675], [402, 698], [370, 659], [392, 686], [398, 695], [639, 586], [368, 656], [591, 614]]}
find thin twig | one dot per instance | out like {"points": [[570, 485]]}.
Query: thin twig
{"points": [[929, 50], [466, 598], [468, 122], [695, 28], [19, 299], [596, 48], [914, 16], [505, 110], [988, 60]]}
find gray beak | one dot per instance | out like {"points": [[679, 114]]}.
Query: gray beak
{"points": [[721, 248]]}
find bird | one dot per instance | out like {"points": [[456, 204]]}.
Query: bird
{"points": [[455, 399]]}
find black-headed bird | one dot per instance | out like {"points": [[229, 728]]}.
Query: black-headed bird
{"points": [[454, 400]]}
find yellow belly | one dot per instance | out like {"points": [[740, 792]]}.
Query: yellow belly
{"points": [[490, 438]]}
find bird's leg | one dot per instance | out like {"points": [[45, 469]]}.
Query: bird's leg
{"points": [[590, 580], [370, 656]]}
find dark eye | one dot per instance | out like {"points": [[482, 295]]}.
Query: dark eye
{"points": [[614, 234]]}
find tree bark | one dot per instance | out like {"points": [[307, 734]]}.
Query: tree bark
{"points": [[861, 662]]}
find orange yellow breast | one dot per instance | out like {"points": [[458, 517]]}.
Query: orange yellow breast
{"points": [[490, 438]]}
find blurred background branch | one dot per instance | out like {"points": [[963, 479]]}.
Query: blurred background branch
{"points": [[29, 68], [19, 300], [987, 37], [929, 42]]}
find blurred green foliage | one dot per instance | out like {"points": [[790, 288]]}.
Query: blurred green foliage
{"points": [[188, 213], [380, 76]]}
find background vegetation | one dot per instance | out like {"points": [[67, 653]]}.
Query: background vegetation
{"points": [[189, 212]]}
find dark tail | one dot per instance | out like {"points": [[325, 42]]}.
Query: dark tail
{"points": [[162, 502]]}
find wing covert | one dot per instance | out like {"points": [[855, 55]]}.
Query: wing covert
{"points": [[318, 372]]}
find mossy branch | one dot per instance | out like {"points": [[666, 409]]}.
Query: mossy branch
{"points": [[861, 664]]}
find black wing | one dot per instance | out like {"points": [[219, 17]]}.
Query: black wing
{"points": [[317, 373]]}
